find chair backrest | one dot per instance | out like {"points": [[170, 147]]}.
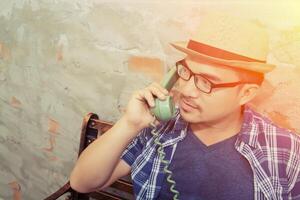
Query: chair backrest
{"points": [[92, 127]]}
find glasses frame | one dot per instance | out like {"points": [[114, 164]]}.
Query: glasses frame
{"points": [[212, 84]]}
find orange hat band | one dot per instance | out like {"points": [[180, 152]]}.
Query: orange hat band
{"points": [[218, 53]]}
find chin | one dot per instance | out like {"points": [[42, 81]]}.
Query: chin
{"points": [[190, 117]]}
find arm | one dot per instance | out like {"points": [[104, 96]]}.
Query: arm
{"points": [[100, 164], [97, 162], [122, 169]]}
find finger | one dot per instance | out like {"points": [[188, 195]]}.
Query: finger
{"points": [[149, 98], [156, 92], [154, 122], [162, 89], [139, 95]]}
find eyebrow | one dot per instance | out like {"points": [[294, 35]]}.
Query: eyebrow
{"points": [[208, 76]]}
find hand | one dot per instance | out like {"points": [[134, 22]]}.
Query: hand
{"points": [[138, 113]]}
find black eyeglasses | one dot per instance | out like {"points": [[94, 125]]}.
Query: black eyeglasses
{"points": [[201, 82]]}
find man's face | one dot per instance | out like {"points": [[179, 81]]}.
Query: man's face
{"points": [[197, 106]]}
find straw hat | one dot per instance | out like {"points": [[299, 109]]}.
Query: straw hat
{"points": [[230, 41]]}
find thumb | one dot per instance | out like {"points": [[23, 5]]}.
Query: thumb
{"points": [[154, 122]]}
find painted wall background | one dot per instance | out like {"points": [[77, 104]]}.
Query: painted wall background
{"points": [[62, 59]]}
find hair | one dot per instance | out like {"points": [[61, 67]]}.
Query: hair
{"points": [[250, 76]]}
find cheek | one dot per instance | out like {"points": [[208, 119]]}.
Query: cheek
{"points": [[219, 101], [181, 84], [224, 100], [188, 88], [211, 107]]}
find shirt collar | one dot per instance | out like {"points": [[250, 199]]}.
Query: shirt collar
{"points": [[248, 133], [175, 131], [250, 128]]}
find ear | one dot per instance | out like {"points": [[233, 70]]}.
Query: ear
{"points": [[247, 93]]}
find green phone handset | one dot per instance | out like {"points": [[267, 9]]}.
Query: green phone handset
{"points": [[165, 110]]}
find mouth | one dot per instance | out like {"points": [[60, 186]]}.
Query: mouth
{"points": [[186, 105]]}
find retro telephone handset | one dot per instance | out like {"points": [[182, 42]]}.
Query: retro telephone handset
{"points": [[163, 111]]}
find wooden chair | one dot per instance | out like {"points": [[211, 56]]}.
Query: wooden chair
{"points": [[122, 189]]}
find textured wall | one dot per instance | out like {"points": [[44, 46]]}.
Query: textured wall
{"points": [[62, 59]]}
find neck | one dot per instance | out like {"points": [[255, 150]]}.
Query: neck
{"points": [[213, 132]]}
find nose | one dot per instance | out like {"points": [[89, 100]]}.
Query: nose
{"points": [[188, 88]]}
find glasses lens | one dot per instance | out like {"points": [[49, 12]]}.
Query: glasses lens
{"points": [[183, 72], [202, 84]]}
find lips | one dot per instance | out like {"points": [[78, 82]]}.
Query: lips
{"points": [[187, 105]]}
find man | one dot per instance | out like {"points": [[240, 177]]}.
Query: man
{"points": [[216, 147]]}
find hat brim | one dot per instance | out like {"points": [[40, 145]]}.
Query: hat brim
{"points": [[251, 66]]}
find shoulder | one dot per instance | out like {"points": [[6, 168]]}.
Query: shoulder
{"points": [[274, 136]]}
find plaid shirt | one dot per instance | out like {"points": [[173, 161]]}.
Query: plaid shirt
{"points": [[273, 154]]}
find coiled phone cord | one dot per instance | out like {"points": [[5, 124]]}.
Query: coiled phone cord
{"points": [[162, 155]]}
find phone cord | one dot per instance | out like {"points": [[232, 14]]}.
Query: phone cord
{"points": [[162, 155]]}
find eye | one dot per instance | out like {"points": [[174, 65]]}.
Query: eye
{"points": [[183, 72], [205, 81], [202, 83]]}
